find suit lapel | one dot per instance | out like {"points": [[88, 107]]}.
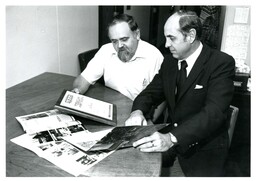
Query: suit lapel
{"points": [[171, 69], [195, 71], [172, 84]]}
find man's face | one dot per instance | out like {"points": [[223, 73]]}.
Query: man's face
{"points": [[177, 43], [124, 40]]}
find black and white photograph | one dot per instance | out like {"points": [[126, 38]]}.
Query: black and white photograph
{"points": [[181, 74]]}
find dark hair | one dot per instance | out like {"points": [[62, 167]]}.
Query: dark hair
{"points": [[124, 18], [189, 20]]}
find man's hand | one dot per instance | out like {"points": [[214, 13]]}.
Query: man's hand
{"points": [[76, 90], [157, 142], [136, 118], [80, 85]]}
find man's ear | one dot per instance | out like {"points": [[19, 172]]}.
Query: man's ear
{"points": [[191, 36], [137, 34]]}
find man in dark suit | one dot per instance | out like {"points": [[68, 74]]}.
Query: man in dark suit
{"points": [[197, 109]]}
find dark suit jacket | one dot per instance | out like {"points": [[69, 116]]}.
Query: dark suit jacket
{"points": [[199, 117]]}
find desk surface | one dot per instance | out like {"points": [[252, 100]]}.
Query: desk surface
{"points": [[41, 93]]}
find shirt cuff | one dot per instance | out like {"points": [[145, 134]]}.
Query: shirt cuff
{"points": [[173, 139]]}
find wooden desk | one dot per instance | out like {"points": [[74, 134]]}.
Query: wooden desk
{"points": [[39, 94]]}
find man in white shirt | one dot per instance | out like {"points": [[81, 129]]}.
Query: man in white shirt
{"points": [[128, 63]]}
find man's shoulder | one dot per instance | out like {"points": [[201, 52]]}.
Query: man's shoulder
{"points": [[107, 48], [148, 50], [215, 52], [216, 58], [147, 45]]}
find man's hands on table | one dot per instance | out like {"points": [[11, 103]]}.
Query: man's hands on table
{"points": [[157, 142]]}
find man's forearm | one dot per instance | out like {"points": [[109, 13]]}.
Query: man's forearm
{"points": [[81, 84]]}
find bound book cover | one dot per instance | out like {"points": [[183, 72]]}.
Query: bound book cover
{"points": [[124, 136], [87, 107]]}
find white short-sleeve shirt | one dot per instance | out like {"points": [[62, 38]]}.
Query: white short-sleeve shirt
{"points": [[129, 78]]}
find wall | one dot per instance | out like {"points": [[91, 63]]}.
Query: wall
{"points": [[141, 15], [164, 14], [47, 39], [236, 41]]}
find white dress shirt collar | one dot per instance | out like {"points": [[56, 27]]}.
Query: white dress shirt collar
{"points": [[192, 58]]}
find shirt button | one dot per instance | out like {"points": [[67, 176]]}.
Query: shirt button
{"points": [[175, 125]]}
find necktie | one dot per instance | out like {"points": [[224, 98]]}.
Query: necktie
{"points": [[181, 76]]}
